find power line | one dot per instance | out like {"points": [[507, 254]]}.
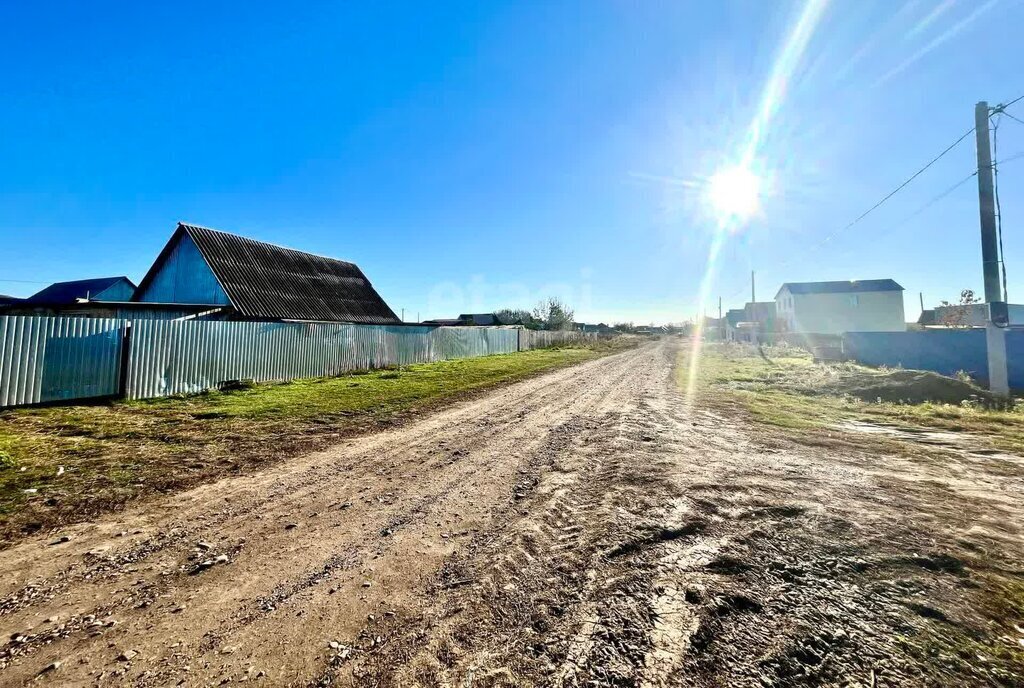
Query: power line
{"points": [[898, 188], [1003, 106], [828, 237], [1015, 156], [1004, 112]]}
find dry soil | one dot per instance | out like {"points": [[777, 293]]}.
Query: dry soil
{"points": [[584, 528]]}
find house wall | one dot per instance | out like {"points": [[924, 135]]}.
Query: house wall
{"points": [[835, 313], [185, 278], [119, 291]]}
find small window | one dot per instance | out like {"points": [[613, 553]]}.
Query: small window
{"points": [[854, 299]]}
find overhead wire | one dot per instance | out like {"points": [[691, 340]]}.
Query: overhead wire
{"points": [[900, 187], [828, 237], [1000, 109], [1012, 117]]}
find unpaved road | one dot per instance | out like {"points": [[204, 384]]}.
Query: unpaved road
{"points": [[584, 528]]}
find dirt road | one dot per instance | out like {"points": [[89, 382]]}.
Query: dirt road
{"points": [[581, 528]]}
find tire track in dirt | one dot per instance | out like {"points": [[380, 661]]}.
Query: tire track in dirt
{"points": [[587, 528], [351, 508], [670, 547]]}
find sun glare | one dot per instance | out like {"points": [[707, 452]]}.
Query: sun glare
{"points": [[735, 193]]}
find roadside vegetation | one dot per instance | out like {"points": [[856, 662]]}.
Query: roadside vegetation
{"points": [[785, 388], [936, 442], [62, 464]]}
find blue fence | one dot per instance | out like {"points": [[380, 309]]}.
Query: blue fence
{"points": [[50, 359], [942, 351]]}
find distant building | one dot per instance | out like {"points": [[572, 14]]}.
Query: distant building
{"points": [[837, 307], [733, 318], [713, 328], [96, 298], [245, 279], [761, 312], [754, 322], [471, 320], [480, 319], [99, 289], [966, 315]]}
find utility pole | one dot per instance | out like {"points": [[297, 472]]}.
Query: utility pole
{"points": [[721, 325], [920, 295], [995, 335], [753, 294]]}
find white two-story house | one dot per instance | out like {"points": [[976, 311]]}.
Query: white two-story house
{"points": [[837, 307]]}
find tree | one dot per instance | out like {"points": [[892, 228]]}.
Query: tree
{"points": [[554, 314], [959, 314], [517, 316]]}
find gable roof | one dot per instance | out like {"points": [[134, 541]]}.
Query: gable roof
{"points": [[482, 319], [69, 292], [841, 287], [267, 281]]}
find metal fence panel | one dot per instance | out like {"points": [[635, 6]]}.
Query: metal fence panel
{"points": [[540, 339], [47, 359], [168, 357], [50, 359], [944, 351]]}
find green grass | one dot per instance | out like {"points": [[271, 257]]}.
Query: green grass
{"points": [[113, 452], [790, 391]]}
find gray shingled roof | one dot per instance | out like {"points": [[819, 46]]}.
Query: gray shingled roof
{"points": [[264, 281], [850, 286]]}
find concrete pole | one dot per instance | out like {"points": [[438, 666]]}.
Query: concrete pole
{"points": [[995, 337], [753, 294]]}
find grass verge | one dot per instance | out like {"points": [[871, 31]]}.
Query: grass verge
{"points": [[787, 389], [69, 463], [796, 400]]}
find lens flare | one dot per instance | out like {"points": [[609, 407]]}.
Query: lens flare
{"points": [[735, 193]]}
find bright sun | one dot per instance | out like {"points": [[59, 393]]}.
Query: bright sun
{"points": [[734, 193]]}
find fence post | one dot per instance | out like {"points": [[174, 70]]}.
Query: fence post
{"points": [[122, 369]]}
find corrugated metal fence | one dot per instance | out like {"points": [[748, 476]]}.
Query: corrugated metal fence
{"points": [[48, 359], [541, 339], [944, 351], [182, 357]]}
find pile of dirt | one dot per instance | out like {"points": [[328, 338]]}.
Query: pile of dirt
{"points": [[908, 386]]}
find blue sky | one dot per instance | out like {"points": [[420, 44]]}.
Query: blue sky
{"points": [[474, 155]]}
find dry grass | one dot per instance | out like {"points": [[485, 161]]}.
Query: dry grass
{"points": [[69, 463], [789, 390]]}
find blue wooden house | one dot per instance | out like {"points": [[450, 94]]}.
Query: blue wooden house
{"points": [[77, 291], [243, 279]]}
